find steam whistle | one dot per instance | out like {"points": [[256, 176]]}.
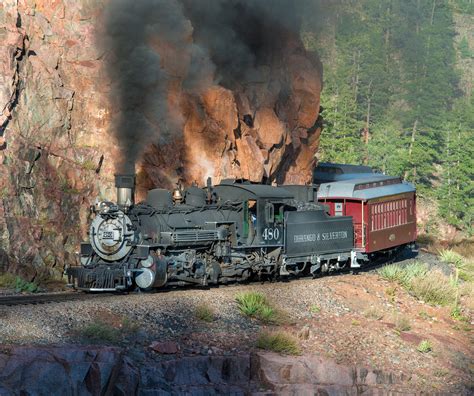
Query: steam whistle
{"points": [[177, 194]]}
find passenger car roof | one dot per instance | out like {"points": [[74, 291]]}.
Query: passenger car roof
{"points": [[365, 188]]}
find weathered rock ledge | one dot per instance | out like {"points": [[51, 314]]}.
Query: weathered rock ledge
{"points": [[83, 370]]}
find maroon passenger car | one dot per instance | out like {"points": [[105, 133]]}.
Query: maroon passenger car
{"points": [[383, 209]]}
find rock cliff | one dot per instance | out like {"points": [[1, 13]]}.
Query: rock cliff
{"points": [[58, 151], [107, 370]]}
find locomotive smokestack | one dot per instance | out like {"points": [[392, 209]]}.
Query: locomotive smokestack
{"points": [[125, 185]]}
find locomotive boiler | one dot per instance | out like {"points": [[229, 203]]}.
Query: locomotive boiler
{"points": [[232, 231]]}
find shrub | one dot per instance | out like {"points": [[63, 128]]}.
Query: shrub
{"points": [[205, 313], [424, 346], [17, 283], [403, 275], [373, 313], [392, 273], [434, 289], [256, 305], [102, 332], [89, 165], [250, 303], [424, 315], [314, 309], [456, 314], [22, 285], [466, 271], [99, 332], [7, 280], [451, 257], [280, 342], [402, 323]]}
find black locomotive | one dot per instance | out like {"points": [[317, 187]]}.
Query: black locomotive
{"points": [[229, 232]]}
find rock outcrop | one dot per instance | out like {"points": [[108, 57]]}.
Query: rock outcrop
{"points": [[108, 370], [57, 152]]}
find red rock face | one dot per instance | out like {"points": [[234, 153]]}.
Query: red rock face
{"points": [[58, 152]]}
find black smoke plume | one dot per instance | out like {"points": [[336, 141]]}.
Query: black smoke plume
{"points": [[227, 41]]}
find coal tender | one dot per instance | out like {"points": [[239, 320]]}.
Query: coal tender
{"points": [[230, 232]]}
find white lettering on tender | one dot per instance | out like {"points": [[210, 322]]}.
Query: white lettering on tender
{"points": [[325, 236]]}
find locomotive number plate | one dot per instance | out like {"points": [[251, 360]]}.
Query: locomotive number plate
{"points": [[271, 234], [108, 235]]}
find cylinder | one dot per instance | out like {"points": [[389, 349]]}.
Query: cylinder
{"points": [[152, 277]]}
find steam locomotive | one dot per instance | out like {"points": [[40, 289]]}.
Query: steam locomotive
{"points": [[233, 231]]}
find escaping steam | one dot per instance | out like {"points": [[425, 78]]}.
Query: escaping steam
{"points": [[149, 43]]}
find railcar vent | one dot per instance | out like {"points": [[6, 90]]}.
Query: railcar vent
{"points": [[195, 236]]}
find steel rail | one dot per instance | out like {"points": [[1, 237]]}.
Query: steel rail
{"points": [[32, 299]]}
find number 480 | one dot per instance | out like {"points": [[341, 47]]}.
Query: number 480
{"points": [[271, 234]]}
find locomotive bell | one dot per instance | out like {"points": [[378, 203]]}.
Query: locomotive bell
{"points": [[177, 195], [125, 185]]}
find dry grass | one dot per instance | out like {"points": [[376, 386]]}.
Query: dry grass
{"points": [[205, 313], [402, 323], [279, 341], [102, 332], [373, 313], [434, 289], [465, 248]]}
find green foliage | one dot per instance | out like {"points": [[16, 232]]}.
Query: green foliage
{"points": [[424, 346], [403, 274], [464, 49], [22, 285], [451, 257], [280, 342], [456, 314], [205, 313], [314, 309], [392, 99], [251, 303], [256, 305], [19, 284]]}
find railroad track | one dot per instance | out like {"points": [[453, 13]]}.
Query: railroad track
{"points": [[32, 299]]}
